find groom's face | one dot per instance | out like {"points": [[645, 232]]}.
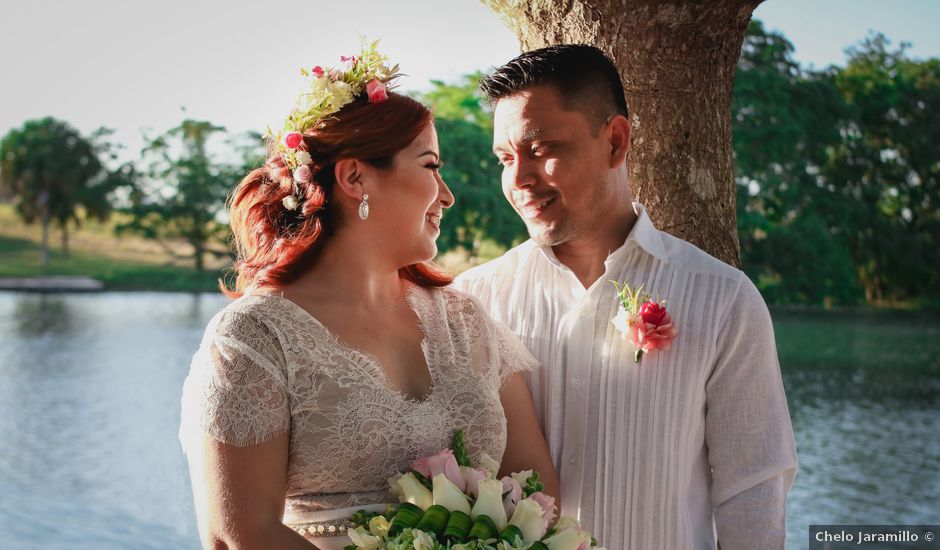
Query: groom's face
{"points": [[556, 164]]}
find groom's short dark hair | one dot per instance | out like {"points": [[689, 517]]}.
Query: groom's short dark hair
{"points": [[586, 79]]}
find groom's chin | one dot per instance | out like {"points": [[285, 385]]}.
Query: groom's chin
{"points": [[544, 235]]}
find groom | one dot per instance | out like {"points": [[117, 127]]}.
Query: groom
{"points": [[691, 444]]}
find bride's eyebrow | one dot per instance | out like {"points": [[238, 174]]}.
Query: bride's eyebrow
{"points": [[429, 152]]}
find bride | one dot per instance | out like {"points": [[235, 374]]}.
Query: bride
{"points": [[346, 355]]}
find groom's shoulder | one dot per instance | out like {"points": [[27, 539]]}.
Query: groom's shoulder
{"points": [[685, 256], [506, 266]]}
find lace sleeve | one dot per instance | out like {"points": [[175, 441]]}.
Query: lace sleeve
{"points": [[511, 354], [236, 391]]}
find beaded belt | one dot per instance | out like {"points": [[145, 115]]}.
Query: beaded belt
{"points": [[327, 523], [329, 528]]}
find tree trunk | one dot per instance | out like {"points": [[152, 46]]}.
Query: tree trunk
{"points": [[677, 62], [65, 240], [42, 202], [200, 256], [45, 240]]}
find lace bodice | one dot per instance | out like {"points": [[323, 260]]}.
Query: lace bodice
{"points": [[266, 367]]}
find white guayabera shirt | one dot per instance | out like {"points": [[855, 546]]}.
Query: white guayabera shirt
{"points": [[663, 453]]}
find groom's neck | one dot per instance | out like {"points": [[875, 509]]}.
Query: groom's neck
{"points": [[586, 254]]}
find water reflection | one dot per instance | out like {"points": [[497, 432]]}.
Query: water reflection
{"points": [[39, 314], [89, 389], [89, 385]]}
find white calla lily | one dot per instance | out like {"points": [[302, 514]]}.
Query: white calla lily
{"points": [[489, 464], [569, 539], [522, 477], [379, 526], [424, 541], [490, 502], [449, 496], [362, 539], [414, 492], [528, 518]]}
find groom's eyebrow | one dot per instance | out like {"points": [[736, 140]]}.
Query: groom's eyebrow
{"points": [[528, 137]]}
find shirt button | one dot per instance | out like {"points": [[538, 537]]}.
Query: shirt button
{"points": [[572, 460], [575, 383]]}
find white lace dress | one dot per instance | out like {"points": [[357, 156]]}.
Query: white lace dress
{"points": [[266, 367]]}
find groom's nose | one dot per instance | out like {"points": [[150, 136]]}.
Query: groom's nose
{"points": [[521, 173]]}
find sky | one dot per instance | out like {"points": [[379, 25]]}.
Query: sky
{"points": [[133, 65]]}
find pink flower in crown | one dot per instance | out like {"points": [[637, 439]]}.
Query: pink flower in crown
{"points": [[349, 60], [317, 71], [336, 74], [303, 174], [292, 140], [376, 91], [443, 462]]}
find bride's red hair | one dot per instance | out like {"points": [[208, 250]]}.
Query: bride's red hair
{"points": [[275, 245]]}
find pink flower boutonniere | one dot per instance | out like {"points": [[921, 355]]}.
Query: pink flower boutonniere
{"points": [[643, 322]]}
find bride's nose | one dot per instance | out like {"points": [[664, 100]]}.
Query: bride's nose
{"points": [[444, 195]]}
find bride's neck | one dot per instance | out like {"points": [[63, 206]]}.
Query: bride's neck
{"points": [[351, 270]]}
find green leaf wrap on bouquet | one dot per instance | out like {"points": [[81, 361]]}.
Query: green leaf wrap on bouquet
{"points": [[460, 449], [510, 534], [458, 527], [408, 515], [484, 528], [434, 520]]}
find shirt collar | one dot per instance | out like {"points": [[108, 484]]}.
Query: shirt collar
{"points": [[643, 234]]}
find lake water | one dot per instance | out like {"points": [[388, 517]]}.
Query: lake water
{"points": [[90, 384]]}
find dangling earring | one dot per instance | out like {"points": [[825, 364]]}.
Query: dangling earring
{"points": [[364, 207]]}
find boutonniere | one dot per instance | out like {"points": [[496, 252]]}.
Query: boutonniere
{"points": [[643, 322]]}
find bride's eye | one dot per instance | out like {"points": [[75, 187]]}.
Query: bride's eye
{"points": [[434, 166]]}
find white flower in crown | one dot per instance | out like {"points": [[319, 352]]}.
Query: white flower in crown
{"points": [[303, 157]]}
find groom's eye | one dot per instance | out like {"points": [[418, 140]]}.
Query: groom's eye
{"points": [[538, 150], [505, 160]]}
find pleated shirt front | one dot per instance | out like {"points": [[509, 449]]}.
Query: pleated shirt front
{"points": [[647, 451]]}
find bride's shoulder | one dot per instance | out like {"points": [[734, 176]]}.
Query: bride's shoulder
{"points": [[249, 314], [459, 303]]}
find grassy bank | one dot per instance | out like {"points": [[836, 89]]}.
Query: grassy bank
{"points": [[121, 263]]}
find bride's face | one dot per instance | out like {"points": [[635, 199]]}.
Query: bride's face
{"points": [[412, 200]]}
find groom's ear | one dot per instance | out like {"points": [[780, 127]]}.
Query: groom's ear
{"points": [[352, 177], [618, 131]]}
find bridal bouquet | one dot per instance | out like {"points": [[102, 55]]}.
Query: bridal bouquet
{"points": [[447, 504]]}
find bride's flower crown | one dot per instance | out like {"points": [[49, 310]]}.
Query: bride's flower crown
{"points": [[331, 89]]}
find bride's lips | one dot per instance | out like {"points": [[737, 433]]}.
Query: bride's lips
{"points": [[434, 219]]}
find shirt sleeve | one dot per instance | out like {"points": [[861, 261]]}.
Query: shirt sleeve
{"points": [[236, 391], [748, 432]]}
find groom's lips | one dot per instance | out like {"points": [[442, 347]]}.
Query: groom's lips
{"points": [[532, 209]]}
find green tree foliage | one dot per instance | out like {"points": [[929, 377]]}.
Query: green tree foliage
{"points": [[836, 173], [54, 174], [183, 189], [889, 160], [464, 125]]}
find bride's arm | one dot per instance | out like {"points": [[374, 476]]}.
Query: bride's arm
{"points": [[525, 445], [239, 495]]}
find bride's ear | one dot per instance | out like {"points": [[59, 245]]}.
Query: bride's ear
{"points": [[353, 177]]}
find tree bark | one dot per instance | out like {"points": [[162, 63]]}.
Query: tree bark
{"points": [[65, 240], [677, 62], [42, 201]]}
